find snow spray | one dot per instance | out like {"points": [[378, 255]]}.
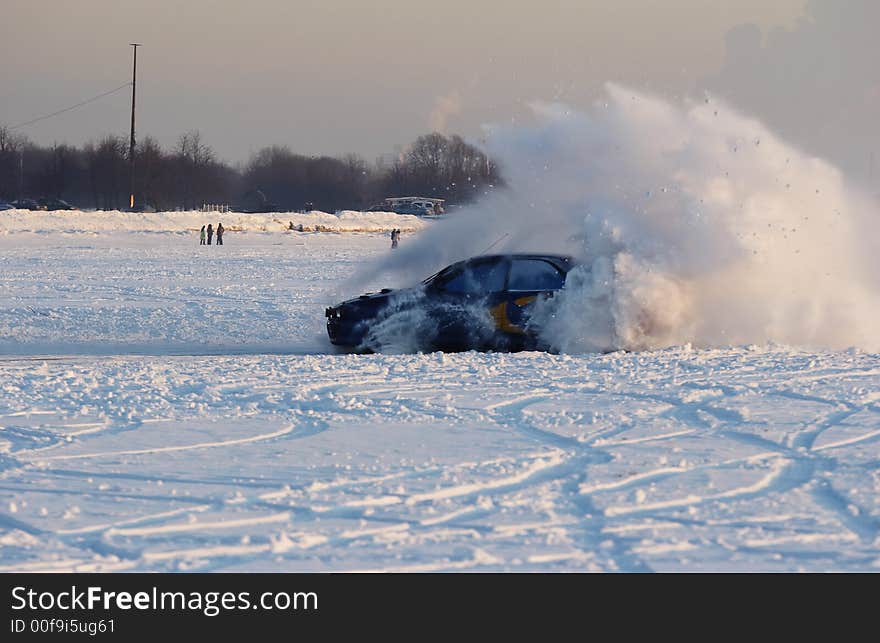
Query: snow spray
{"points": [[692, 224]]}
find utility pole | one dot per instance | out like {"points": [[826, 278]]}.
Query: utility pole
{"points": [[135, 46]]}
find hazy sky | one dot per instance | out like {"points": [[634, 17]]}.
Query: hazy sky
{"points": [[337, 76]]}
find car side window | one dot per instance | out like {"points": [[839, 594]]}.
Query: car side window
{"points": [[477, 278], [534, 274]]}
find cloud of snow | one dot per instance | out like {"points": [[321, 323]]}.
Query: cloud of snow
{"points": [[694, 223], [411, 324], [403, 327]]}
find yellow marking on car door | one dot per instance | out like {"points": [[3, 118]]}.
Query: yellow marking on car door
{"points": [[502, 319]]}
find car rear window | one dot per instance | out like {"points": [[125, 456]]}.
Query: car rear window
{"points": [[534, 274]]}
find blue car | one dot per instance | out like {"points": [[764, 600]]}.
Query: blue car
{"points": [[483, 303]]}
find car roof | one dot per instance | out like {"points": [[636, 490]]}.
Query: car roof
{"points": [[516, 255]]}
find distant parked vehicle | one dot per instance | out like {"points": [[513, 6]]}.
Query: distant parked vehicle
{"points": [[6, 206], [52, 203], [27, 204], [431, 206]]}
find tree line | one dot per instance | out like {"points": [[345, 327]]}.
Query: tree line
{"points": [[190, 174]]}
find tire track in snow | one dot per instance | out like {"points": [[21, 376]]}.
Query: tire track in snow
{"points": [[187, 447], [798, 470], [590, 531], [554, 465], [859, 439], [805, 439], [511, 414], [784, 475], [589, 523], [621, 552], [140, 520], [190, 527], [8, 522], [856, 519]]}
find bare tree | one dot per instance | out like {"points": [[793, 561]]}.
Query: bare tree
{"points": [[155, 175], [108, 168], [197, 170], [57, 170], [435, 165], [12, 148], [190, 174]]}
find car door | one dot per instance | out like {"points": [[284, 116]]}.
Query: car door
{"points": [[463, 298], [529, 279]]}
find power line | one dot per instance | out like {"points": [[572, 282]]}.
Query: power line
{"points": [[67, 109]]}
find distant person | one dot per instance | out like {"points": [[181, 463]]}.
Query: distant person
{"points": [[290, 226], [202, 236], [219, 234], [210, 233], [394, 239]]}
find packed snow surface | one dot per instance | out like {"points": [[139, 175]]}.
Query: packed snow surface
{"points": [[170, 407]]}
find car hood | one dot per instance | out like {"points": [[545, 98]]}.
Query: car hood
{"points": [[370, 298]]}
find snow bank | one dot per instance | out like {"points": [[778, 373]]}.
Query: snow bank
{"points": [[12, 221]]}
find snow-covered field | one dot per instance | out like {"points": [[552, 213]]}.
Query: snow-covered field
{"points": [[170, 407]]}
